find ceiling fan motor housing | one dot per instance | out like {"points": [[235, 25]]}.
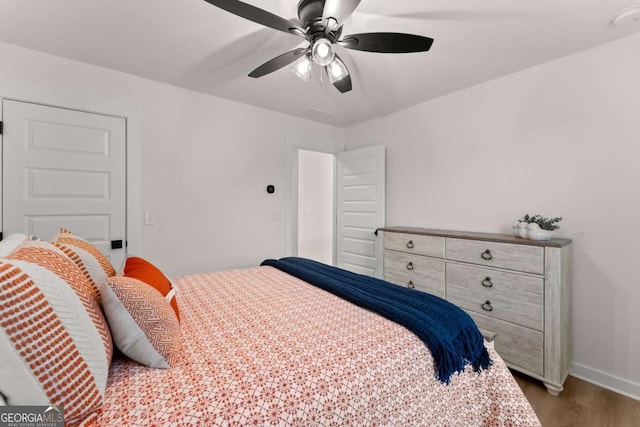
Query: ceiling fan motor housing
{"points": [[310, 14], [310, 10]]}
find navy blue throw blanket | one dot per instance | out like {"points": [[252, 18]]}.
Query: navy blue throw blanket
{"points": [[449, 333]]}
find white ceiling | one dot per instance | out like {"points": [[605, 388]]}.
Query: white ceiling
{"points": [[191, 44]]}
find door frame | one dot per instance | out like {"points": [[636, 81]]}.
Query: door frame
{"points": [[133, 168], [293, 144], [334, 219]]}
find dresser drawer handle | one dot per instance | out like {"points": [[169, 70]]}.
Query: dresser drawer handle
{"points": [[411, 285], [410, 266], [410, 244], [487, 306], [486, 255], [487, 283]]}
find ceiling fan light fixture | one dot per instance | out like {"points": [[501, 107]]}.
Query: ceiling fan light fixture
{"points": [[302, 68], [337, 70], [322, 51]]}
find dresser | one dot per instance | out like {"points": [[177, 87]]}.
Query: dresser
{"points": [[516, 290]]}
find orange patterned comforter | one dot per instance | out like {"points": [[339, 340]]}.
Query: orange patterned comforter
{"points": [[261, 347]]}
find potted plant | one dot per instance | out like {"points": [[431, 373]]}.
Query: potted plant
{"points": [[536, 227]]}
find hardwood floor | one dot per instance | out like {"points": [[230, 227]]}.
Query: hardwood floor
{"points": [[580, 404]]}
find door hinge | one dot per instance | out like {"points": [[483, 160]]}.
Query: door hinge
{"points": [[1, 127], [0, 231]]}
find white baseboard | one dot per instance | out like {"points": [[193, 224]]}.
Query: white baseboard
{"points": [[605, 380]]}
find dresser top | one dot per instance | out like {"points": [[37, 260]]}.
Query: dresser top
{"points": [[491, 237]]}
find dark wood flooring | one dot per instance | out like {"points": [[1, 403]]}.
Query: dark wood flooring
{"points": [[581, 404]]}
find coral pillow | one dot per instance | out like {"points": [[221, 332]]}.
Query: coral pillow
{"points": [[55, 346], [68, 238], [143, 270], [88, 264], [143, 325]]}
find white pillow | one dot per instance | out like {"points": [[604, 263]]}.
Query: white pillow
{"points": [[142, 322], [11, 243]]}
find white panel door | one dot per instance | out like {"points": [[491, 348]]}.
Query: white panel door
{"points": [[64, 168], [360, 208]]}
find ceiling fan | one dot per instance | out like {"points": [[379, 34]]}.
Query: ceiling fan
{"points": [[321, 25]]}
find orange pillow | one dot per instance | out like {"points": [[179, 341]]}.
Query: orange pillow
{"points": [[148, 273]]}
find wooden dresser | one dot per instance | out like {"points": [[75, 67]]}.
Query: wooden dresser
{"points": [[516, 290]]}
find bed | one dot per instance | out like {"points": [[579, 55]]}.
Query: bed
{"points": [[259, 346]]}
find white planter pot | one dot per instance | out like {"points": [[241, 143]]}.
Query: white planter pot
{"points": [[534, 232], [520, 229]]}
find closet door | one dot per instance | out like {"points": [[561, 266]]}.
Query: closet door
{"points": [[360, 208], [64, 168]]}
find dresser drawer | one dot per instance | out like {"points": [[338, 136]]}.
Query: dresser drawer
{"points": [[529, 259], [415, 244], [518, 346], [508, 296], [424, 274]]}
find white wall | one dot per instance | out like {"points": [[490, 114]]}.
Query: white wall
{"points": [[315, 211], [560, 139], [205, 165]]}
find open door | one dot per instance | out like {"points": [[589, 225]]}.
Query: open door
{"points": [[360, 208]]}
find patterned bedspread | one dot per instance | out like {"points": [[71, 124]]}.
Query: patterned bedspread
{"points": [[261, 347]]}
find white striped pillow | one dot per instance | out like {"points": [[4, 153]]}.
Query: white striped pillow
{"points": [[67, 267], [66, 237], [87, 263], [50, 350]]}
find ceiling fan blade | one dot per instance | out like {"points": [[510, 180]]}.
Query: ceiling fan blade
{"points": [[387, 42], [257, 15], [278, 62], [339, 10]]}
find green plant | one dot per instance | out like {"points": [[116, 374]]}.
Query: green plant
{"points": [[543, 222]]}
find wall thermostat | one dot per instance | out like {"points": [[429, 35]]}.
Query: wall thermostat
{"points": [[271, 189]]}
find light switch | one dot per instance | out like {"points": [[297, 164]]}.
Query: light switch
{"points": [[148, 218]]}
